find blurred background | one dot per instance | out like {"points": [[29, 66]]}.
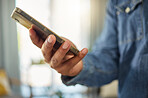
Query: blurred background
{"points": [[23, 72]]}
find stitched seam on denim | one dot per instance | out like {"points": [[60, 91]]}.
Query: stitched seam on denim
{"points": [[135, 3], [117, 32], [130, 40], [142, 19], [139, 37]]}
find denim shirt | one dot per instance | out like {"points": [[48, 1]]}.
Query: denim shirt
{"points": [[121, 52]]}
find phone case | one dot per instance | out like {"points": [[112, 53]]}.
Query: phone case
{"points": [[26, 20]]}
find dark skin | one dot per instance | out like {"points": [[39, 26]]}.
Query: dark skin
{"points": [[60, 60]]}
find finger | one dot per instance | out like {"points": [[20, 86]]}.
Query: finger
{"points": [[35, 38], [60, 54], [71, 67], [73, 61], [47, 47]]}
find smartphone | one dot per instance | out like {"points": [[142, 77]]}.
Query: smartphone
{"points": [[27, 21]]}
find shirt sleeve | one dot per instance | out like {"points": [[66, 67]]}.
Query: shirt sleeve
{"points": [[101, 65]]}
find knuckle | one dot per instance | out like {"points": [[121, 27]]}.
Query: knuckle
{"points": [[54, 61], [51, 65], [44, 54]]}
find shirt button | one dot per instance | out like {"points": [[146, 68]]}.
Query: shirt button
{"points": [[127, 10], [118, 13]]}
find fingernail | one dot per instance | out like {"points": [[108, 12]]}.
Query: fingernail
{"points": [[66, 45], [49, 39], [84, 51]]}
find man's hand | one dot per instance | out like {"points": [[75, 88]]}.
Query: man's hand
{"points": [[60, 60]]}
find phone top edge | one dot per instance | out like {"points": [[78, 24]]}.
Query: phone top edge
{"points": [[37, 23], [13, 13]]}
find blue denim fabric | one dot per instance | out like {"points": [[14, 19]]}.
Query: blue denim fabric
{"points": [[121, 52]]}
